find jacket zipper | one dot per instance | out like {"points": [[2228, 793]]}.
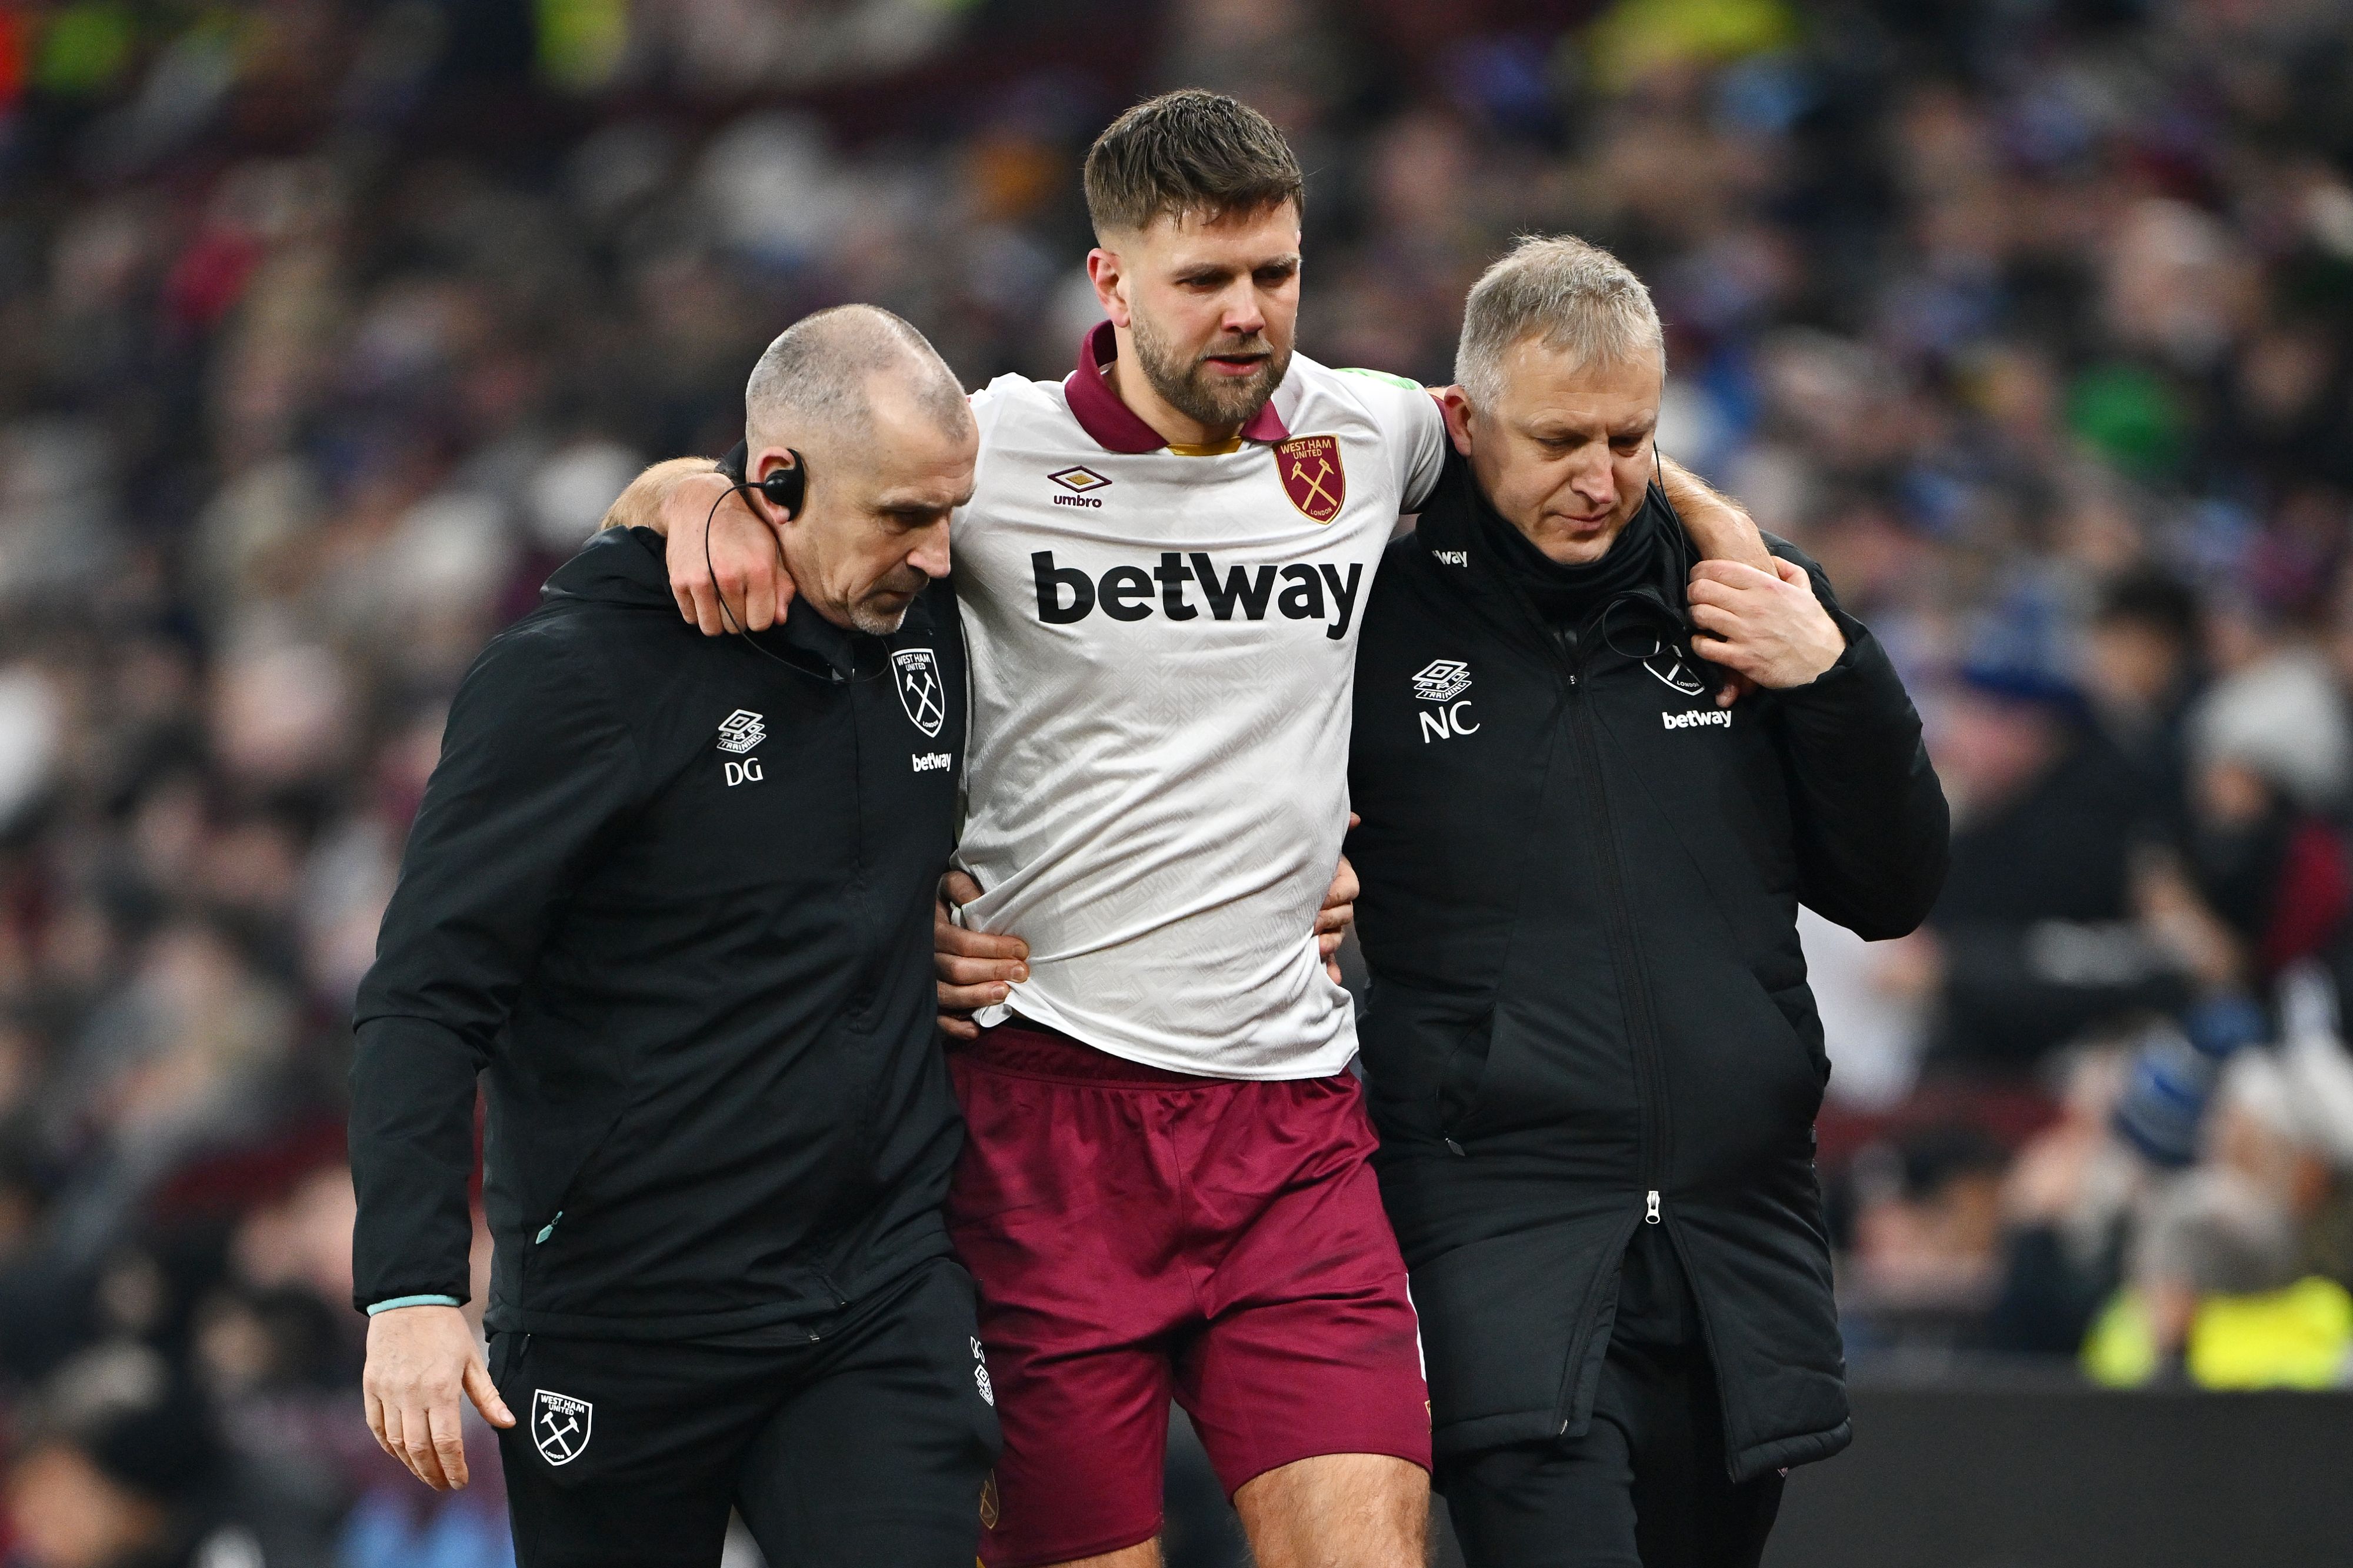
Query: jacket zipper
{"points": [[1641, 1027], [1649, 1088]]}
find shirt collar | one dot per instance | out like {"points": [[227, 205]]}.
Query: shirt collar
{"points": [[1115, 426]]}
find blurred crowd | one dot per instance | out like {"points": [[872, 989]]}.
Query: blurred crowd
{"points": [[327, 327]]}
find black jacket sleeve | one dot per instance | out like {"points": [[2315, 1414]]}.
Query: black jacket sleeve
{"points": [[1873, 831], [535, 769]]}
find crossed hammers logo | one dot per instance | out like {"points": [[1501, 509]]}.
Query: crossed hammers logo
{"points": [[1316, 493], [559, 1425]]}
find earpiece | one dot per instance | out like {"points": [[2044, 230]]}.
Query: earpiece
{"points": [[1657, 470], [785, 490]]}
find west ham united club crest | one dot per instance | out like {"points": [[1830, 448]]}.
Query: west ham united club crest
{"points": [[917, 673], [559, 1424], [1670, 665], [1311, 476]]}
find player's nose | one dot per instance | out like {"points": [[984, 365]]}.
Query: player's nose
{"points": [[1245, 314]]}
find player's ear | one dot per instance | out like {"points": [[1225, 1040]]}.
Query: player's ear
{"points": [[1110, 278]]}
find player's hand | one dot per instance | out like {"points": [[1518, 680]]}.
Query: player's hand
{"points": [[1767, 627], [740, 560], [1720, 530], [975, 968], [1339, 912], [420, 1360]]}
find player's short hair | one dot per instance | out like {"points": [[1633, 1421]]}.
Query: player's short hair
{"points": [[1185, 154], [819, 370], [1575, 297]]}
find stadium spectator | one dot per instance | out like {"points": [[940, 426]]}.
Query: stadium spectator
{"points": [[326, 330]]}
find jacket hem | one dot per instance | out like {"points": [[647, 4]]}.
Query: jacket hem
{"points": [[1783, 1453], [873, 1280], [1460, 1439]]}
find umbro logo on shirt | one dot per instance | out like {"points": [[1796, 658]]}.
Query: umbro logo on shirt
{"points": [[1443, 681], [1295, 592], [741, 730], [1080, 483]]}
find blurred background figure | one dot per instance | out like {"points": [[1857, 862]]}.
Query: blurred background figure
{"points": [[328, 327], [121, 1468]]}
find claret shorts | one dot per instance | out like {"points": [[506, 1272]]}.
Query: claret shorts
{"points": [[1139, 1236]]}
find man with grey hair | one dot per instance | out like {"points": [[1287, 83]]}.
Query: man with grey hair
{"points": [[1584, 302], [1590, 1049], [670, 898]]}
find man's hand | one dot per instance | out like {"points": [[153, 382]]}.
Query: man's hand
{"points": [[1765, 626], [419, 1359], [1721, 530], [1339, 912], [740, 565], [740, 558], [975, 969]]}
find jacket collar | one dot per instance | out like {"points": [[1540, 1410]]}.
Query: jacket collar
{"points": [[1116, 427], [809, 638], [1451, 529]]}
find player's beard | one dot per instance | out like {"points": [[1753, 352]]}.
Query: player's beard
{"points": [[1187, 384]]}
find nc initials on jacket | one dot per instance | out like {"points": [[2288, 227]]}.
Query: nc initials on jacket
{"points": [[1439, 723]]}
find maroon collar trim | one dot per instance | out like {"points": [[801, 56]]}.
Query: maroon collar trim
{"points": [[1115, 426]]}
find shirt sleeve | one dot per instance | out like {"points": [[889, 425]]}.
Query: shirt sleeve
{"points": [[1412, 429], [535, 771]]}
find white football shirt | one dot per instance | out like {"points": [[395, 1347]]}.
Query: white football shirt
{"points": [[1163, 646]]}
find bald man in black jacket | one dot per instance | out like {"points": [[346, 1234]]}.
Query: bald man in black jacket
{"points": [[670, 898]]}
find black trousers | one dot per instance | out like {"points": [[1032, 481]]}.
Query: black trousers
{"points": [[867, 1443], [1645, 1487]]}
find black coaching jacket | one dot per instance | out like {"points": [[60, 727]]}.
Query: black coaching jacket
{"points": [[1589, 1009], [671, 897]]}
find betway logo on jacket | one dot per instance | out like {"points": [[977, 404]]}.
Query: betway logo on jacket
{"points": [[1294, 593]]}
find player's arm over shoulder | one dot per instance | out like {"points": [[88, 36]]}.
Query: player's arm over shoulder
{"points": [[1720, 527], [640, 505], [649, 501], [1406, 415]]}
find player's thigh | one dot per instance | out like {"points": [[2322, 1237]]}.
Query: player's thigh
{"points": [[882, 1454], [1317, 1351], [1086, 1444], [622, 1455], [1065, 1209], [1544, 1505]]}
